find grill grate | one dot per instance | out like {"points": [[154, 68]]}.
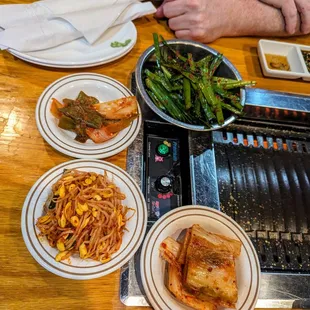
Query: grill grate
{"points": [[284, 115], [264, 184]]}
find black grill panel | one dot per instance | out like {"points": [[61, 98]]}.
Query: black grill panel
{"points": [[270, 114], [264, 184]]}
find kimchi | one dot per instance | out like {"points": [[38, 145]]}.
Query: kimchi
{"points": [[201, 269]]}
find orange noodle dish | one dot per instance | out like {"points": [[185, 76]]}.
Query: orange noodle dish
{"points": [[85, 215]]}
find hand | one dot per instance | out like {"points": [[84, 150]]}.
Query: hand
{"points": [[201, 20], [290, 10]]}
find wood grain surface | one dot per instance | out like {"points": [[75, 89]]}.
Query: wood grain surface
{"points": [[25, 156]]}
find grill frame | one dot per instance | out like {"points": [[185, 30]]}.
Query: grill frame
{"points": [[278, 289]]}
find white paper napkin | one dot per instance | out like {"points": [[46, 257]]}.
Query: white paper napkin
{"points": [[49, 23]]}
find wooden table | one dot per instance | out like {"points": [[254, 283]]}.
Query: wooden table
{"points": [[25, 156]]}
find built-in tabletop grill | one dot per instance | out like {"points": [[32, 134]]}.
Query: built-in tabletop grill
{"points": [[257, 171], [264, 185]]}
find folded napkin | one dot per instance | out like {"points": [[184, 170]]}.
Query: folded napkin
{"points": [[49, 23]]}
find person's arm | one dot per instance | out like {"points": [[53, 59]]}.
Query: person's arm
{"points": [[291, 10], [259, 19], [207, 20]]}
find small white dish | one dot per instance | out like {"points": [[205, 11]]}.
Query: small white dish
{"points": [[305, 48], [104, 89], [77, 268], [293, 54], [80, 54], [152, 266]]}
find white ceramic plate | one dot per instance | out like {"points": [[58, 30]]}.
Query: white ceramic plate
{"points": [[79, 54], [293, 54], [83, 269], [171, 224], [103, 88]]}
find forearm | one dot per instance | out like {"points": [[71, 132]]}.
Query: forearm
{"points": [[257, 19], [208, 20]]}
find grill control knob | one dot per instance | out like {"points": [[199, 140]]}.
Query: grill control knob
{"points": [[163, 184], [162, 150]]}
